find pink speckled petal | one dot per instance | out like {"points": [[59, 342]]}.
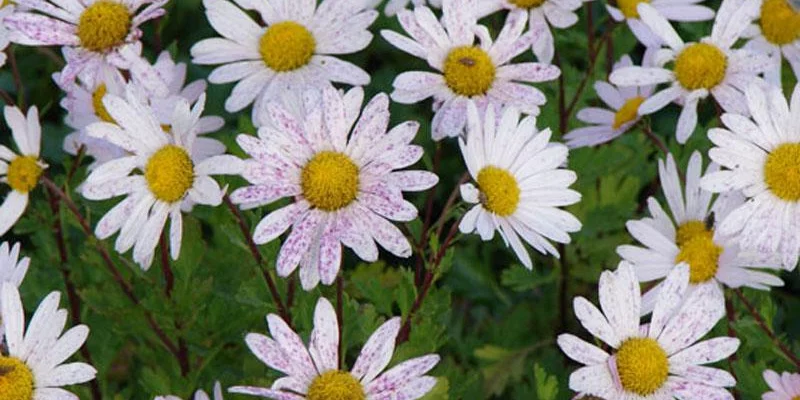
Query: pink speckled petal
{"points": [[324, 342], [388, 202], [593, 320], [705, 375], [700, 312], [402, 374], [298, 243], [268, 351], [292, 347], [330, 254], [669, 298], [266, 393], [377, 352], [385, 233], [706, 352], [413, 390], [43, 30], [335, 124], [263, 194], [581, 351], [284, 120], [277, 222], [371, 127], [687, 390], [413, 181]]}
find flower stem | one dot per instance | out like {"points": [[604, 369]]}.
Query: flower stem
{"points": [[763, 324]]}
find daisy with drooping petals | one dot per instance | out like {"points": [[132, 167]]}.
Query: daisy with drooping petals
{"points": [[760, 157], [690, 237], [34, 366], [346, 185], [673, 10], [467, 72], [313, 373], [697, 69], [158, 176], [295, 49], [520, 183], [20, 172], [776, 33], [784, 387], [654, 361], [394, 6], [199, 395]]}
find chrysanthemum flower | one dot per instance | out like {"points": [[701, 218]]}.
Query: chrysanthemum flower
{"points": [[466, 71], [295, 49], [761, 158], [697, 69], [314, 373], [199, 395], [34, 366], [609, 124], [21, 172], [159, 176], [690, 237], [784, 387], [776, 33], [345, 186], [673, 10], [520, 183], [659, 360], [93, 33], [394, 6]]}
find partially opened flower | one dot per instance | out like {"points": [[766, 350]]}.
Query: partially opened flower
{"points": [[199, 395], [776, 33], [673, 10], [313, 373], [785, 386]]}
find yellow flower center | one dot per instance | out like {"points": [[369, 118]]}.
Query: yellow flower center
{"points": [[527, 3], [23, 174], [642, 366], [469, 71], [330, 181], [782, 172], [780, 22], [335, 385], [100, 108], [7, 2], [697, 248], [700, 65], [499, 190], [104, 25], [287, 46], [16, 379], [628, 7], [169, 173], [628, 112]]}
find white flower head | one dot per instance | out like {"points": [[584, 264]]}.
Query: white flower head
{"points": [[344, 180], [297, 47], [520, 183], [467, 72], [198, 395], [673, 10], [696, 70], [776, 33], [394, 6], [785, 386], [313, 373], [659, 360]]}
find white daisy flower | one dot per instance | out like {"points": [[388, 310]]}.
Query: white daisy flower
{"points": [[520, 183], [760, 157], [776, 33], [159, 175], [93, 33], [690, 237], [295, 49], [394, 6], [481, 73], [697, 69], [21, 172], [659, 360], [34, 366], [313, 373], [346, 187], [611, 123], [673, 10], [784, 387], [199, 395]]}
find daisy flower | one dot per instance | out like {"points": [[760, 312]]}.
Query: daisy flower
{"points": [[520, 183], [93, 33], [313, 373], [480, 73], [776, 33], [760, 157], [673, 10], [784, 387], [659, 360], [690, 237], [345, 186], [21, 172], [199, 395], [697, 69], [294, 49], [34, 366], [611, 123], [394, 6], [159, 175]]}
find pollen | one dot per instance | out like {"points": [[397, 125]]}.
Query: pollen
{"points": [[628, 7], [330, 181], [697, 248], [335, 385], [287, 46], [469, 71], [100, 108], [642, 366], [782, 172], [23, 174], [780, 22], [104, 25], [499, 190], [16, 379], [628, 112], [700, 66], [169, 173], [527, 3]]}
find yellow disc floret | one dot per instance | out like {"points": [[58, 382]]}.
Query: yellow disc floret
{"points": [[628, 112], [104, 25], [100, 108], [16, 379], [780, 22], [287, 46], [628, 7], [642, 366], [782, 172], [23, 173], [527, 3], [697, 248], [690, 230], [330, 181], [169, 173], [700, 66], [499, 190], [335, 385], [469, 71]]}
